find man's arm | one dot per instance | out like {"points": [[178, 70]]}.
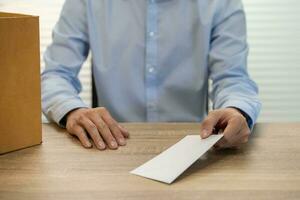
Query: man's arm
{"points": [[61, 86], [231, 86], [63, 59]]}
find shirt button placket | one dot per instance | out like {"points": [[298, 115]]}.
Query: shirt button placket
{"points": [[151, 62]]}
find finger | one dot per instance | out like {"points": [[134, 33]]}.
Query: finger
{"points": [[105, 114], [81, 135], [125, 132], [104, 131], [242, 138], [92, 130], [245, 139], [112, 124], [232, 130], [209, 123]]}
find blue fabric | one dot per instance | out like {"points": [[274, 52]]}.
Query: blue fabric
{"points": [[152, 59]]}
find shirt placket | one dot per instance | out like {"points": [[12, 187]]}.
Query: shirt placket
{"points": [[151, 61]]}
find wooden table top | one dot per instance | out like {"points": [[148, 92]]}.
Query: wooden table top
{"points": [[266, 168]]}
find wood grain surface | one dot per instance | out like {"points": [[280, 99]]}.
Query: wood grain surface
{"points": [[268, 167]]}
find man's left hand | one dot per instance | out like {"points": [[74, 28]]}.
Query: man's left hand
{"points": [[232, 122]]}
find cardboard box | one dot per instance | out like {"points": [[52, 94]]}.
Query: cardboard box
{"points": [[20, 90]]}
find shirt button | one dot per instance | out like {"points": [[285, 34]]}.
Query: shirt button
{"points": [[151, 69], [151, 34]]}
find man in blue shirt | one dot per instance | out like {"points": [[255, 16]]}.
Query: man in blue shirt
{"points": [[152, 60]]}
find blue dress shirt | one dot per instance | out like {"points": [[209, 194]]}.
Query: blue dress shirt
{"points": [[152, 59]]}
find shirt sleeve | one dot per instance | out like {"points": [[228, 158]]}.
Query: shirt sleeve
{"points": [[63, 61], [231, 84]]}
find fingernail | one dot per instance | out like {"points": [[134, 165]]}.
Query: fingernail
{"points": [[101, 145], [113, 144], [205, 133], [88, 145], [122, 141], [123, 128]]}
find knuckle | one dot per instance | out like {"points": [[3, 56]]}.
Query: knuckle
{"points": [[102, 109], [89, 112], [113, 125], [245, 140], [94, 116], [83, 111], [103, 125], [247, 133], [79, 133], [91, 126], [71, 126], [81, 118]]}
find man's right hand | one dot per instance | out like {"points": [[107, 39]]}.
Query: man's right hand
{"points": [[99, 125]]}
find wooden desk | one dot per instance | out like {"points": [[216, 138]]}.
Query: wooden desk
{"points": [[267, 168]]}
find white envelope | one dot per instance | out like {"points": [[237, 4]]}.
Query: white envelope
{"points": [[168, 165]]}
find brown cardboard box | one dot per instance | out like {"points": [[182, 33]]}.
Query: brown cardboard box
{"points": [[20, 98]]}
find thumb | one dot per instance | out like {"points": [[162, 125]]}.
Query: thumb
{"points": [[208, 124]]}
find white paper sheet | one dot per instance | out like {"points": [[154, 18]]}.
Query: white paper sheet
{"points": [[168, 165]]}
